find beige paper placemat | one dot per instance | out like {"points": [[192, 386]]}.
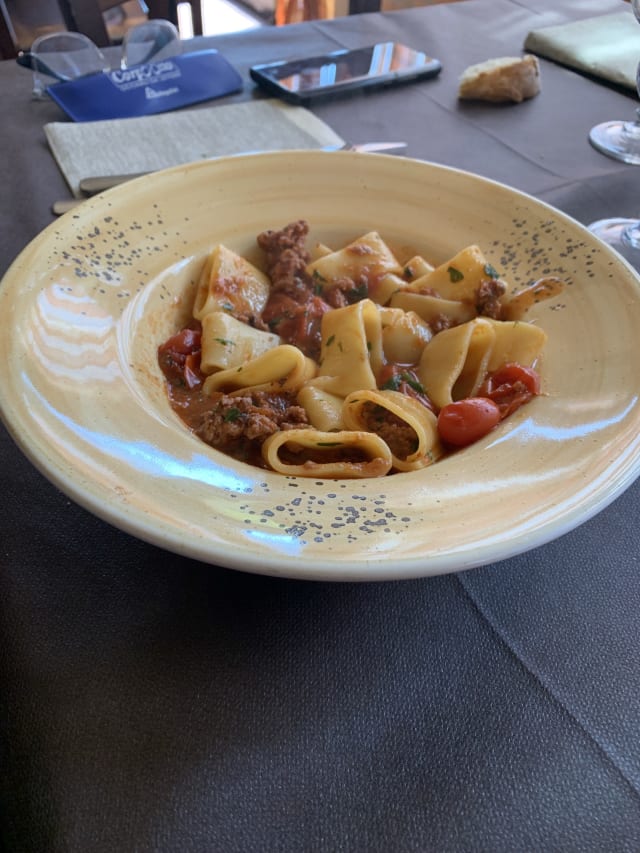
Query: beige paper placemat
{"points": [[607, 46], [123, 146]]}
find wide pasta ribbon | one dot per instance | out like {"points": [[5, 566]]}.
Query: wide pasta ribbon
{"points": [[409, 429], [459, 278], [368, 257], [404, 335], [516, 342], [351, 354], [432, 309], [323, 409], [456, 361], [227, 342], [228, 282], [281, 369], [327, 455]]}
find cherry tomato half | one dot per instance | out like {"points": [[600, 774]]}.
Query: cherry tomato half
{"points": [[465, 421], [183, 343], [179, 358], [510, 387]]}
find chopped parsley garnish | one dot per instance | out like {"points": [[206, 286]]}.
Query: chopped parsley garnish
{"points": [[412, 383], [232, 415], [392, 384], [225, 342], [408, 273], [330, 340], [395, 381], [454, 274], [358, 293], [491, 271]]}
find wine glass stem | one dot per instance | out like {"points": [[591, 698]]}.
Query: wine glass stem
{"points": [[631, 235], [632, 128]]}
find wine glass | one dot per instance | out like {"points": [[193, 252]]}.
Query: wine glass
{"points": [[620, 139], [623, 235]]}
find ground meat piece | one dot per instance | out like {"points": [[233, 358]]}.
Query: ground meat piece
{"points": [[286, 256], [258, 323], [440, 323], [239, 424], [400, 437], [488, 298], [346, 291], [294, 309], [335, 297], [297, 323], [360, 249]]}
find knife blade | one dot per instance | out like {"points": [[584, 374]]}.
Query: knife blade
{"points": [[99, 183]]}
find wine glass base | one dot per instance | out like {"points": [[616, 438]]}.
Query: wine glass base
{"points": [[617, 139], [621, 235]]}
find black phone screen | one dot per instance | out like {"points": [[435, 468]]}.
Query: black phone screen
{"points": [[387, 62]]}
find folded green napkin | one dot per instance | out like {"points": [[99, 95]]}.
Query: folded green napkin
{"points": [[148, 143], [607, 46]]}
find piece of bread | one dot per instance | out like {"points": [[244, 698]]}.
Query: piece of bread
{"points": [[509, 78]]}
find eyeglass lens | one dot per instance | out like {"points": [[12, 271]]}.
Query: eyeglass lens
{"points": [[154, 40], [66, 56]]}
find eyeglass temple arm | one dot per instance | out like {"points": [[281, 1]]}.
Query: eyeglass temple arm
{"points": [[28, 60]]}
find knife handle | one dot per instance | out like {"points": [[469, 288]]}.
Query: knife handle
{"points": [[64, 205], [91, 186], [99, 183]]}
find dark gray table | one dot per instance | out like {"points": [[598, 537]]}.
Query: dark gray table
{"points": [[149, 702]]}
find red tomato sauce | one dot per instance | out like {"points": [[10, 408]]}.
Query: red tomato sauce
{"points": [[297, 322]]}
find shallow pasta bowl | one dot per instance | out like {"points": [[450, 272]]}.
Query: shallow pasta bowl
{"points": [[88, 301]]}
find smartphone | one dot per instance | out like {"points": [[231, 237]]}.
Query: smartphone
{"points": [[302, 80]]}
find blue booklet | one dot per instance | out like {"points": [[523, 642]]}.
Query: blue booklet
{"points": [[142, 90]]}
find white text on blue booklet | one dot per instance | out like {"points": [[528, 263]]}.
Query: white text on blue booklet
{"points": [[155, 87]]}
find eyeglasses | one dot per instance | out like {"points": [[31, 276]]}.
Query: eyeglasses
{"points": [[67, 56]]}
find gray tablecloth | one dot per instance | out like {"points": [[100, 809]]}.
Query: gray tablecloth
{"points": [[149, 702]]}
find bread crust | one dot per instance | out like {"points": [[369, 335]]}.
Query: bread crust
{"points": [[508, 78]]}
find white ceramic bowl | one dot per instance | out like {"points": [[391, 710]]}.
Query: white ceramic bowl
{"points": [[87, 302]]}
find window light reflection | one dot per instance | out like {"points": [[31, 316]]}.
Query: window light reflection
{"points": [[146, 458], [531, 430], [283, 542]]}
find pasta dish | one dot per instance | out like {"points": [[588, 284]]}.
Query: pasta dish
{"points": [[347, 363]]}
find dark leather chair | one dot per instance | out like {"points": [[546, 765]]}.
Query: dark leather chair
{"points": [[22, 21], [87, 16], [8, 38]]}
